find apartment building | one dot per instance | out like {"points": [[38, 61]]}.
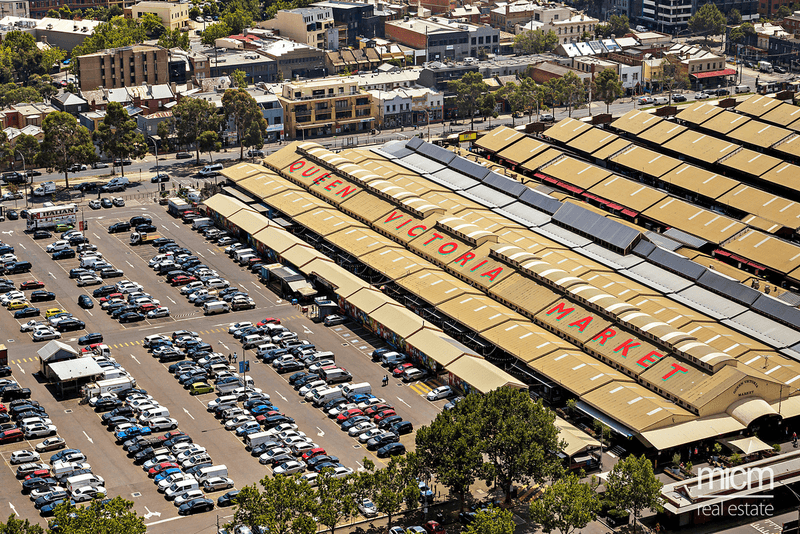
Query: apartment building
{"points": [[507, 17], [445, 38], [702, 67], [310, 25], [413, 106], [325, 107], [121, 67], [15, 8], [355, 19], [295, 59], [173, 16], [25, 114]]}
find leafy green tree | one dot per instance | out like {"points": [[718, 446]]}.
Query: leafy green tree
{"points": [[28, 146], [116, 135], [6, 151], [510, 92], [468, 91], [602, 30], [237, 21], [193, 116], [492, 521], [335, 501], [519, 438], [165, 131], [619, 24], [152, 25], [214, 32], [783, 12], [239, 79], [242, 110], [708, 20], [609, 87], [535, 42], [209, 142], [251, 506], [734, 17], [392, 486], [115, 516], [288, 505], [174, 39], [115, 33], [20, 526], [11, 93], [532, 96], [573, 90], [65, 143], [450, 448], [567, 505], [486, 105], [632, 486], [670, 78], [255, 135]]}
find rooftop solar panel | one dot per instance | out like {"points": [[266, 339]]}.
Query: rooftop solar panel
{"points": [[469, 168]]}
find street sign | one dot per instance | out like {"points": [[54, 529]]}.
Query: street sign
{"points": [[244, 366]]}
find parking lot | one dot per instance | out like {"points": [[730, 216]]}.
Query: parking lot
{"points": [[80, 425]]}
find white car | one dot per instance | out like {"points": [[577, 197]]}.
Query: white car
{"points": [[238, 421], [161, 311], [287, 434], [311, 385], [283, 427], [93, 400], [95, 204], [89, 280], [341, 409], [188, 453], [700, 96], [290, 468], [191, 286], [162, 423], [55, 247], [296, 440], [5, 258], [217, 283], [22, 457], [46, 335], [40, 492], [30, 326], [87, 493], [154, 461], [442, 392], [311, 478], [238, 326], [370, 402], [11, 295], [217, 483], [367, 508], [188, 496], [360, 428], [39, 430], [369, 434], [170, 480], [12, 196]]}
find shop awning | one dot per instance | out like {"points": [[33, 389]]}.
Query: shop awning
{"points": [[313, 125], [620, 429], [747, 445], [714, 73]]}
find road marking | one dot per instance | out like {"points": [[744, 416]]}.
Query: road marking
{"points": [[170, 299], [176, 225], [306, 330], [23, 246], [200, 254], [137, 361], [187, 413], [164, 521], [87, 437], [360, 466], [95, 235], [129, 263], [320, 433], [51, 274], [224, 345], [212, 252], [90, 313], [20, 368], [404, 402], [150, 514], [12, 508], [281, 396]]}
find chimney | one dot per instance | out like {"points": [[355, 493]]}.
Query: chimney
{"points": [[508, 9]]}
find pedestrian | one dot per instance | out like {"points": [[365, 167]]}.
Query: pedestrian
{"points": [[230, 358], [385, 380]]}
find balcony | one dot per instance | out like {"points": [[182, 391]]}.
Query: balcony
{"points": [[344, 115], [344, 107]]}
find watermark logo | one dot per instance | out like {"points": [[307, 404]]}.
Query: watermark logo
{"points": [[736, 492]]}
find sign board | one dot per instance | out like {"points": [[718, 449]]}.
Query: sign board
{"points": [[727, 103], [244, 366], [603, 118], [785, 95], [467, 136], [666, 111]]}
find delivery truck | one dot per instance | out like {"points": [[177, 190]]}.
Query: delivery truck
{"points": [[177, 207], [142, 238], [114, 385], [211, 472]]}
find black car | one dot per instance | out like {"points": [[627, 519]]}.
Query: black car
{"points": [[171, 356], [42, 296], [26, 312], [402, 427], [113, 422], [122, 411], [88, 339], [131, 317], [321, 459], [42, 234], [392, 449], [199, 505], [297, 376], [70, 325], [146, 228], [162, 241], [85, 302], [779, 69], [12, 393], [275, 420], [102, 291], [387, 423], [5, 370], [12, 215], [77, 240], [137, 220], [106, 202], [37, 483], [288, 367], [119, 227], [111, 273], [119, 309], [353, 421], [78, 272], [64, 254], [107, 404]]}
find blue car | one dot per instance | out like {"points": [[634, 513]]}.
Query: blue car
{"points": [[242, 432], [361, 397], [132, 432], [49, 509], [164, 474], [262, 409]]}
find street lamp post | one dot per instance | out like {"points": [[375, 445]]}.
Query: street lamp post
{"points": [[26, 176]]}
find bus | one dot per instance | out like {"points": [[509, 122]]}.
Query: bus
{"points": [[49, 217]]}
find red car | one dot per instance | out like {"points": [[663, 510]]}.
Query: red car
{"points": [[153, 471], [400, 369], [268, 320], [92, 347], [43, 473], [31, 284], [378, 408], [380, 416], [352, 412], [263, 417], [3, 408], [144, 308], [432, 527], [182, 280], [312, 453], [8, 436], [111, 297]]}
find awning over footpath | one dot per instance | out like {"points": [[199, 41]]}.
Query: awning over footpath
{"points": [[691, 431], [619, 428], [482, 375], [714, 74], [746, 445], [577, 441]]}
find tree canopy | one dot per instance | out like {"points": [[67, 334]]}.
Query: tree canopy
{"points": [[609, 87], [193, 116], [115, 516], [708, 20], [535, 42], [567, 505], [242, 110], [492, 521], [468, 91], [174, 39], [115, 33], [116, 134], [65, 143], [632, 486], [216, 31], [734, 17]]}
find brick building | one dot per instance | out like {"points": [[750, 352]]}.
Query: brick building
{"points": [[325, 107], [121, 67]]}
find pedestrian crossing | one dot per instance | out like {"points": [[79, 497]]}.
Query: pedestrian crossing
{"points": [[423, 388], [22, 360]]}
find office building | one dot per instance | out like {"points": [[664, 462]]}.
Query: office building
{"points": [[122, 67], [445, 38], [325, 107]]}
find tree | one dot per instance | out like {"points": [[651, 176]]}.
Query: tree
{"points": [[251, 505], [708, 21], [335, 501], [165, 131], [492, 521], [450, 448], [237, 21], [28, 146], [743, 30], [20, 526], [287, 504], [783, 12], [6, 152], [242, 110], [239, 79], [116, 135], [392, 486], [512, 95], [566, 506], [609, 88], [486, 104], [734, 17], [65, 143], [174, 39], [216, 31], [535, 41], [114, 516], [193, 116], [573, 90], [152, 25], [519, 438], [619, 25], [255, 135], [468, 90], [115, 33], [208, 141], [669, 77], [532, 96], [631, 485]]}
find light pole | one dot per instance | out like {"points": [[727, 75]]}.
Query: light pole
{"points": [[24, 172], [155, 146]]}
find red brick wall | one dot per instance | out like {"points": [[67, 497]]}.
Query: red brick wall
{"points": [[411, 38]]}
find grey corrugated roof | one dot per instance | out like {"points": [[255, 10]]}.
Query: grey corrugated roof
{"points": [[686, 239], [437, 153], [454, 180], [469, 168], [504, 184], [540, 201], [777, 309], [676, 263], [725, 285], [414, 143], [396, 149], [792, 353], [488, 196], [643, 248], [601, 229], [764, 329], [610, 258], [656, 277], [421, 164], [524, 215], [792, 299], [663, 242], [561, 235], [710, 303]]}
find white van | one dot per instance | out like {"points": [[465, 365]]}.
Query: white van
{"points": [[243, 252], [216, 306], [89, 261], [210, 170], [182, 486], [152, 413], [362, 388], [222, 402], [337, 374], [660, 100], [211, 472], [201, 223], [322, 396], [118, 181], [253, 340], [87, 479], [247, 257], [742, 89]]}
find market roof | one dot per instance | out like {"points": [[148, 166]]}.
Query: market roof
{"points": [[225, 205], [592, 140], [482, 375], [767, 250], [646, 161], [522, 150], [498, 139], [633, 195], [75, 368], [576, 441], [700, 181], [567, 129], [759, 134], [763, 204], [757, 105], [750, 162], [635, 122], [700, 146], [725, 121], [694, 220], [698, 113], [662, 132]]}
